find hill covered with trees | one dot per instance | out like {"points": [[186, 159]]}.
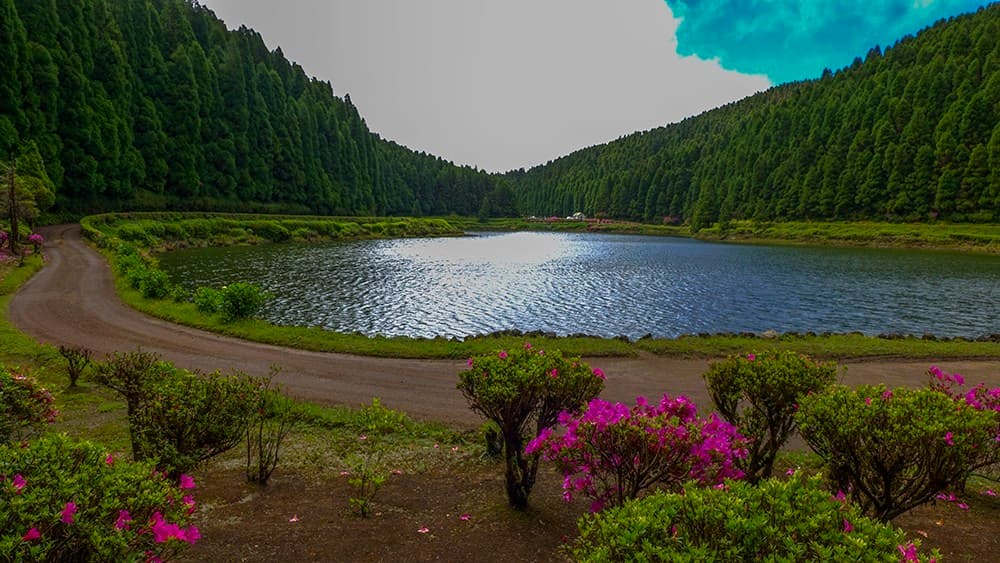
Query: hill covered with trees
{"points": [[910, 133], [155, 104]]}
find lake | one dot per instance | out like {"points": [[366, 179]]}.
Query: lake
{"points": [[605, 285]]}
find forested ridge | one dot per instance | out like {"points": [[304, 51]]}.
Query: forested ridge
{"points": [[910, 133], [155, 104]]}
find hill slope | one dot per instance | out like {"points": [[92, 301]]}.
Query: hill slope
{"points": [[911, 133], [154, 103]]}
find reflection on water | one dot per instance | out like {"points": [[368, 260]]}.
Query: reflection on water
{"points": [[606, 285]]}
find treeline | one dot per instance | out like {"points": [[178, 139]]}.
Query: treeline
{"points": [[909, 134], [155, 104]]}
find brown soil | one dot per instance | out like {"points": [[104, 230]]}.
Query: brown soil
{"points": [[72, 302]]}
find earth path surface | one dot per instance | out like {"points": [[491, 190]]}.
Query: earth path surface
{"points": [[72, 301]]}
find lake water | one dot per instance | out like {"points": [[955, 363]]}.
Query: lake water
{"points": [[605, 285]]}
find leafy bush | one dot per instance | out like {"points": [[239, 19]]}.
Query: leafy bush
{"points": [[208, 300], [70, 501], [77, 360], [153, 283], [794, 520], [131, 375], [893, 450], [523, 392], [241, 301], [612, 453], [366, 475], [759, 393], [981, 398], [272, 417], [25, 406]]}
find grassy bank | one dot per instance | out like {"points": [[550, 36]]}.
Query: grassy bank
{"points": [[953, 236]]}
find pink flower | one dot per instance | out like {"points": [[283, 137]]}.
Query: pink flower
{"points": [[989, 493], [362, 437], [868, 400], [962, 505], [465, 517], [191, 534], [19, 483], [423, 530], [188, 501], [109, 460], [397, 471], [554, 373], [186, 482], [751, 357], [345, 473], [67, 513], [294, 518], [790, 472], [886, 395], [503, 354], [33, 534], [123, 519], [469, 362], [958, 379], [527, 345], [840, 496], [599, 373], [848, 528], [948, 439]]}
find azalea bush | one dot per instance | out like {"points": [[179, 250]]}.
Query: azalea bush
{"points": [[612, 453], [179, 418], [892, 450], [793, 520], [523, 392], [759, 393], [62, 500], [982, 398], [25, 406]]}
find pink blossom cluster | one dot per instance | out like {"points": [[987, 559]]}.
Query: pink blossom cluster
{"points": [[908, 554], [35, 239], [979, 397], [612, 452]]}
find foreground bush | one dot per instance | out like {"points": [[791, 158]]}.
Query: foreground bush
{"points": [[981, 398], [893, 450], [793, 520], [66, 501], [759, 393], [612, 453], [178, 418], [523, 392], [25, 406]]}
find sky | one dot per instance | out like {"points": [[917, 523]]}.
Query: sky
{"points": [[512, 84]]}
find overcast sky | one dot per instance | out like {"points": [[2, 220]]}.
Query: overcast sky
{"points": [[515, 83]]}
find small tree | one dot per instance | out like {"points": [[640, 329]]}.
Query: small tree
{"points": [[523, 392], [612, 453], [132, 375], [893, 450], [77, 360], [759, 393], [273, 417]]}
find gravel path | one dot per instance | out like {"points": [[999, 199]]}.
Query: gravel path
{"points": [[72, 301]]}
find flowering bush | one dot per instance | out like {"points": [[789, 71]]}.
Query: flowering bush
{"points": [[523, 391], [892, 450], [794, 520], [759, 393], [24, 405], [36, 240], [981, 398], [70, 501], [611, 453]]}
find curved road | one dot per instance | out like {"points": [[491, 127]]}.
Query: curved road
{"points": [[72, 301]]}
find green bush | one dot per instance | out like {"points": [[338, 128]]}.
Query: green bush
{"points": [[25, 407], [272, 417], [208, 300], [134, 233], [794, 520], [153, 283], [759, 393], [241, 300], [84, 505], [893, 450], [523, 392]]}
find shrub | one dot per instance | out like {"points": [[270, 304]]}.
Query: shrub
{"points": [[25, 406], [241, 301], [186, 418], [523, 392], [893, 450], [153, 283], [794, 520], [981, 398], [273, 416], [207, 300], [759, 393], [131, 375], [366, 475], [80, 504], [612, 453], [77, 360]]}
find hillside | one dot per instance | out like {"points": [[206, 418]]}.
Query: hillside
{"points": [[155, 104], [910, 133]]}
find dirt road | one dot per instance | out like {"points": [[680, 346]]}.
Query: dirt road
{"points": [[72, 301]]}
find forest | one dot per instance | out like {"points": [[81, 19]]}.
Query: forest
{"points": [[909, 133], [154, 104]]}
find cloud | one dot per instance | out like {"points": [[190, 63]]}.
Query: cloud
{"points": [[793, 40]]}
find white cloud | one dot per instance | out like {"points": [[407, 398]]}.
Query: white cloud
{"points": [[498, 85]]}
